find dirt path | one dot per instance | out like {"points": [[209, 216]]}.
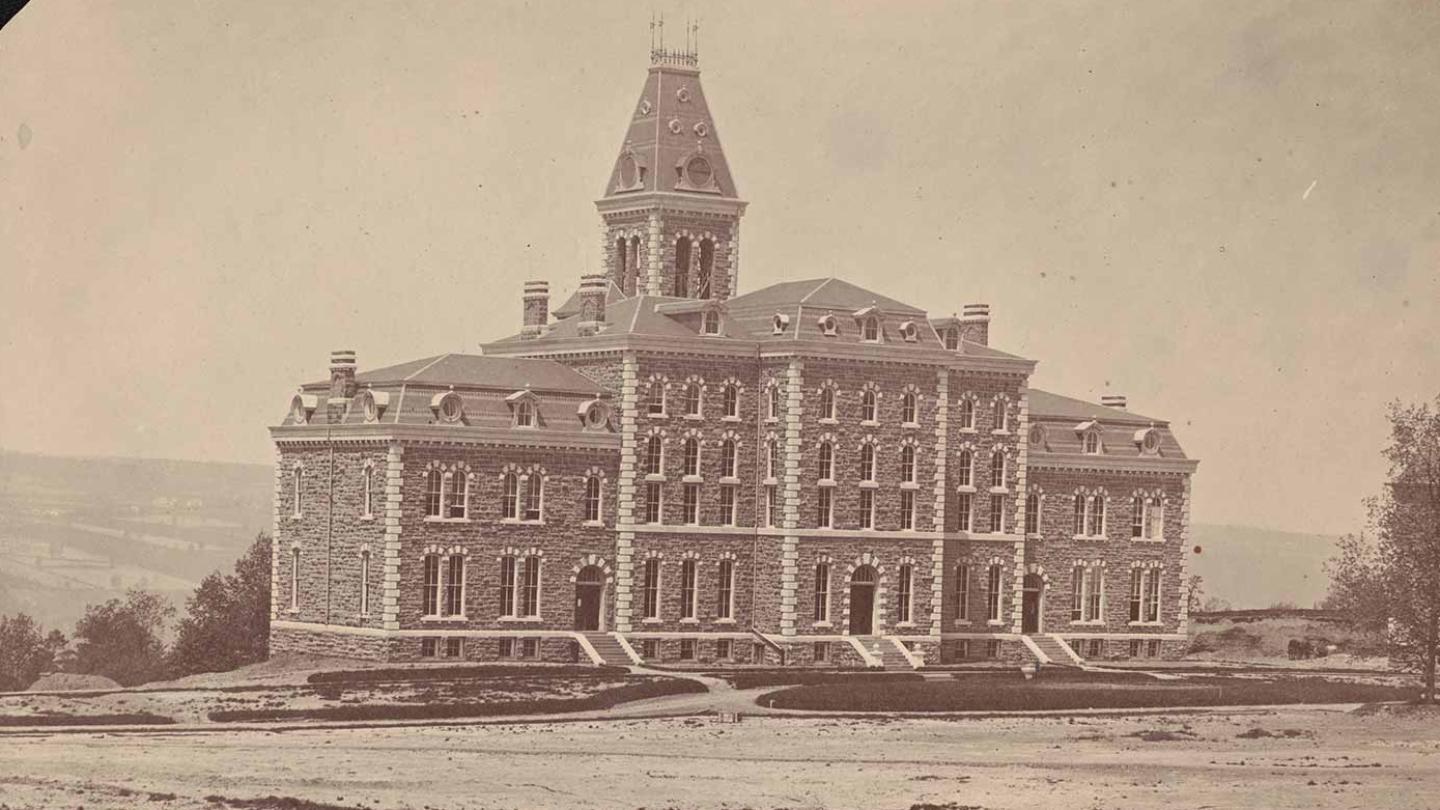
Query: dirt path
{"points": [[1330, 759]]}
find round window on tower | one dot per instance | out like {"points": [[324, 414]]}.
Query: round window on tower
{"points": [[698, 172], [628, 171]]}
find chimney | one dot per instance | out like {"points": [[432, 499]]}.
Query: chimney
{"points": [[342, 383], [592, 302], [975, 324], [1113, 401], [537, 308]]}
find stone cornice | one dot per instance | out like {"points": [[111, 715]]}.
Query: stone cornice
{"points": [[669, 201], [440, 434], [1076, 462]]}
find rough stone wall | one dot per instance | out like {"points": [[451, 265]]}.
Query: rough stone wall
{"points": [[844, 555], [292, 641], [978, 555], [707, 550], [983, 442], [720, 227]]}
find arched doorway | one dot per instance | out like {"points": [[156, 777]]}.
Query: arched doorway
{"points": [[862, 601], [1033, 591], [589, 597]]}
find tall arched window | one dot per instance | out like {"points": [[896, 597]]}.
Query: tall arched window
{"points": [[692, 456], [827, 403], [592, 499], [365, 582], [682, 267], [294, 578], [509, 498], [727, 458], [903, 598], [997, 469], [367, 482], [822, 592], [434, 483], [908, 409], [655, 398], [653, 453], [704, 286], [867, 462], [650, 591], [692, 399], [1002, 415], [295, 495], [967, 413], [534, 490], [952, 338], [966, 471], [732, 401], [455, 586], [457, 491], [867, 406], [772, 406], [907, 464], [430, 586], [827, 461]]}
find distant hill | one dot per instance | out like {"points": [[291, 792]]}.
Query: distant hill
{"points": [[1255, 568]]}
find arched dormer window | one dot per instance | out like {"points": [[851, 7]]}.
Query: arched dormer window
{"points": [[522, 410], [1090, 442], [710, 322], [952, 338]]}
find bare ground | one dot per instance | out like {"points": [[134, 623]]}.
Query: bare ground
{"points": [[1299, 758]]}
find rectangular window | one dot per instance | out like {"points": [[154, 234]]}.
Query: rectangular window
{"points": [[904, 597], [997, 514], [772, 458], [992, 594], [825, 511], [654, 455], [997, 470], [725, 606], [429, 647], [992, 649], [294, 579], [365, 583], [455, 586], [692, 457], [529, 648], [454, 648], [1032, 514], [723, 649], [822, 592], [691, 504], [867, 508], [1152, 596], [652, 502], [295, 491], [1152, 648], [967, 512], [907, 508], [728, 452], [507, 586], [822, 652], [727, 505], [507, 648], [1097, 648], [1137, 590], [772, 505], [530, 590], [962, 648], [1077, 594], [434, 486], [687, 589], [430, 586], [967, 468], [962, 592], [510, 498], [650, 649], [687, 649], [651, 593]]}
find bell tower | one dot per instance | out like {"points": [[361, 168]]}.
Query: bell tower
{"points": [[670, 214]]}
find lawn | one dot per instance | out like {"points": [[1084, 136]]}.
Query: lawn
{"points": [[1078, 690]]}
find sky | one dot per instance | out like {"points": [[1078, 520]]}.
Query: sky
{"points": [[1226, 211]]}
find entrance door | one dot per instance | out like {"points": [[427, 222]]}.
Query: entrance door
{"points": [[1030, 607], [862, 601], [589, 588]]}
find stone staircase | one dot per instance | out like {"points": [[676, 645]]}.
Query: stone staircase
{"points": [[610, 649], [888, 651], [1059, 653]]}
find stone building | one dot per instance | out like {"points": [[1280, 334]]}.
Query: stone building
{"points": [[666, 470]]}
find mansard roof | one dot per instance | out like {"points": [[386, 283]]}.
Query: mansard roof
{"points": [[506, 374], [1066, 419], [670, 125], [821, 293], [1046, 404]]}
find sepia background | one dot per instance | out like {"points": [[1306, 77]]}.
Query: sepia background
{"points": [[1226, 211]]}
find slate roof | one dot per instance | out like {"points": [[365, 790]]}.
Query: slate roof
{"points": [[476, 371], [1046, 404]]}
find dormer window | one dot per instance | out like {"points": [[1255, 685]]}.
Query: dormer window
{"points": [[710, 322], [373, 404], [909, 332], [829, 327], [779, 323], [952, 338], [524, 414], [448, 407], [870, 330], [1149, 441], [594, 414], [1090, 442], [302, 406]]}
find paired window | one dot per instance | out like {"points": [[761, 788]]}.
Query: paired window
{"points": [[592, 499], [520, 587], [515, 507], [1090, 442], [822, 592], [1148, 518], [962, 592], [908, 409], [992, 593], [867, 462], [1087, 585], [687, 589], [510, 497], [725, 607], [904, 596], [534, 495], [525, 414], [455, 586], [867, 406], [1089, 515], [650, 593], [430, 585]]}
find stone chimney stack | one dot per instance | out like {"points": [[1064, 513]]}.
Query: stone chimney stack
{"points": [[537, 308], [592, 302], [1114, 401], [342, 383], [975, 324]]}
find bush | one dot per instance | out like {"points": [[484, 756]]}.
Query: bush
{"points": [[407, 674], [783, 677], [135, 719]]}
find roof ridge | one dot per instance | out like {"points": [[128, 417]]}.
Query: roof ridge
{"points": [[822, 286], [427, 366]]}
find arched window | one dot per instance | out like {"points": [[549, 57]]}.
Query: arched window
{"points": [[1092, 442], [655, 398], [827, 461], [907, 408], [457, 495], [867, 462], [622, 264], [687, 589], [952, 338], [592, 499], [692, 456], [867, 406], [903, 598], [294, 578], [907, 464], [653, 455], [772, 407], [966, 471], [732, 401], [727, 458], [827, 403], [430, 586], [524, 413], [692, 399], [434, 482], [710, 322], [295, 495], [509, 499], [367, 482], [534, 489], [1002, 415], [455, 586], [870, 332], [772, 458], [650, 591], [365, 582], [530, 587], [822, 592], [1032, 513], [704, 286], [967, 414], [997, 469], [682, 267], [725, 603]]}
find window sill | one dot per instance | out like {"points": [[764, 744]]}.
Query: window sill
{"points": [[367, 518], [658, 478], [867, 484], [651, 620], [912, 485], [690, 620], [829, 420], [965, 488], [825, 482], [1033, 536], [965, 622], [693, 417], [729, 419], [434, 619], [657, 416], [729, 480], [999, 432], [433, 519], [904, 625], [1147, 539], [869, 423], [1088, 623], [510, 522], [822, 624], [995, 623], [292, 611], [771, 420], [724, 621], [518, 619], [910, 425], [968, 430], [691, 479], [594, 523], [999, 490], [1088, 537], [296, 517], [1145, 624]]}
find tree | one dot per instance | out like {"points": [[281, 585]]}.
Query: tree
{"points": [[1393, 583], [228, 618], [122, 640], [1197, 594], [26, 652]]}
